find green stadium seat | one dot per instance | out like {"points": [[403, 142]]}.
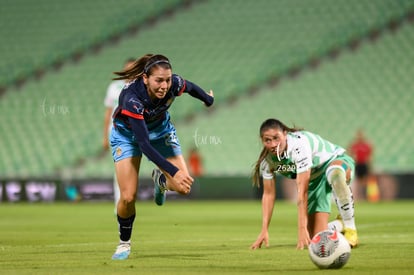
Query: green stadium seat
{"points": [[226, 46]]}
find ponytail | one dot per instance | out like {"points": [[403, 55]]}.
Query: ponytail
{"points": [[143, 65], [256, 170]]}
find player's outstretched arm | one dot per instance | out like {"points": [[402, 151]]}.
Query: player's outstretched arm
{"points": [[302, 182], [268, 201], [195, 91]]}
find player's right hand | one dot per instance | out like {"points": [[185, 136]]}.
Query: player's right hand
{"points": [[182, 182]]}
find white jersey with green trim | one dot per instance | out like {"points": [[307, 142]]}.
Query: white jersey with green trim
{"points": [[112, 93], [305, 150]]}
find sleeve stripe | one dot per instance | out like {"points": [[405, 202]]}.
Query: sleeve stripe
{"points": [[131, 114], [182, 89]]}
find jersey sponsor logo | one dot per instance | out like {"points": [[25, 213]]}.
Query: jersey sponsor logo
{"points": [[139, 110], [302, 162], [171, 139], [137, 106]]}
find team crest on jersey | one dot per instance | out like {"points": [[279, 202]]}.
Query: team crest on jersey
{"points": [[139, 109]]}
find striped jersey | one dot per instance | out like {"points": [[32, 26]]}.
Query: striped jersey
{"points": [[305, 150]]}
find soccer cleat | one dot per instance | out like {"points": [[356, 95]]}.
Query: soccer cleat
{"points": [[159, 187], [337, 224], [352, 237], [350, 234], [122, 251]]}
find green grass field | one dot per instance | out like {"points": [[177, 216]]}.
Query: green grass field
{"points": [[191, 237]]}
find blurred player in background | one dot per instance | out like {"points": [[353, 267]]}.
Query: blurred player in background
{"points": [[110, 102], [319, 168], [361, 150], [195, 163], [142, 126]]}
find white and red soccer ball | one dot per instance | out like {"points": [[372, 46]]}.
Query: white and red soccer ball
{"points": [[329, 249]]}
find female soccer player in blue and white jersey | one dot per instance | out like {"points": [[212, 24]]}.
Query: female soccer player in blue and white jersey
{"points": [[319, 168], [142, 126]]}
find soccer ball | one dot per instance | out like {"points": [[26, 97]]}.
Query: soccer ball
{"points": [[329, 249]]}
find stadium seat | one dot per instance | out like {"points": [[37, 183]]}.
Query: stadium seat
{"points": [[226, 46]]}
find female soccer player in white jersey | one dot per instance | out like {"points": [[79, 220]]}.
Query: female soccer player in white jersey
{"points": [[110, 102], [142, 126], [319, 168]]}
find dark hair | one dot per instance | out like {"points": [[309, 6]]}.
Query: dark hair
{"points": [[270, 123], [143, 65], [129, 59]]}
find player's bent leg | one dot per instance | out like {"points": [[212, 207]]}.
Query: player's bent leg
{"points": [[336, 176], [127, 171], [163, 181], [160, 186], [317, 222]]}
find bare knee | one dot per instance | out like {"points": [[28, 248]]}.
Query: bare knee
{"points": [[127, 199]]}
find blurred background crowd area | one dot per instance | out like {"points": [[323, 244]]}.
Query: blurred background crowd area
{"points": [[335, 68]]}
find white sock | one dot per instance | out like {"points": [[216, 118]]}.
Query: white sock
{"points": [[124, 242], [336, 225], [343, 195]]}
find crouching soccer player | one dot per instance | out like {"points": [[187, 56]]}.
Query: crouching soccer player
{"points": [[319, 167]]}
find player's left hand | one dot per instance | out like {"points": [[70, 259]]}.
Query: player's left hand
{"points": [[210, 93]]}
